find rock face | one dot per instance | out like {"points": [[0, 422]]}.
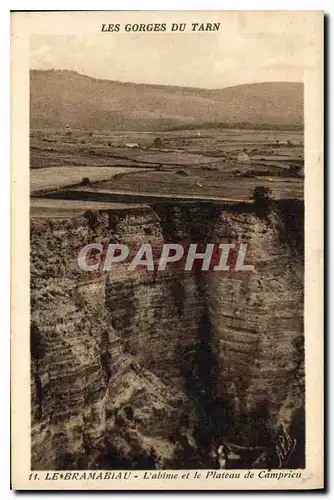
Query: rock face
{"points": [[137, 369]]}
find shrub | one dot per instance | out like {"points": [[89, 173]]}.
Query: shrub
{"points": [[85, 181], [294, 170], [262, 197], [157, 142], [91, 218], [261, 194]]}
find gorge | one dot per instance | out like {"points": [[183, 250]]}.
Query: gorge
{"points": [[175, 370]]}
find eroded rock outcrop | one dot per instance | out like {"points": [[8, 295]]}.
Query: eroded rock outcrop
{"points": [[157, 370]]}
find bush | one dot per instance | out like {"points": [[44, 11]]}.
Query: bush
{"points": [[182, 172], [85, 181], [90, 134], [294, 170], [157, 142], [262, 197], [91, 218]]}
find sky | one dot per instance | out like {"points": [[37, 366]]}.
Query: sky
{"points": [[239, 53]]}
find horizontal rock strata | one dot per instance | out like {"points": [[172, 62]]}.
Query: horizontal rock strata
{"points": [[136, 369]]}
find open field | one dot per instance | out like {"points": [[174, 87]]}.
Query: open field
{"points": [[45, 207], [161, 184], [204, 164], [58, 177], [197, 363]]}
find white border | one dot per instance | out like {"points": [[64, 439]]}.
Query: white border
{"points": [[327, 6]]}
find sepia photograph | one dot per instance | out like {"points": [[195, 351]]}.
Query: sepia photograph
{"points": [[166, 179]]}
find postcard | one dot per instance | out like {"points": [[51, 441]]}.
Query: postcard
{"points": [[167, 250]]}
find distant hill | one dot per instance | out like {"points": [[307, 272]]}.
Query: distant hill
{"points": [[60, 98]]}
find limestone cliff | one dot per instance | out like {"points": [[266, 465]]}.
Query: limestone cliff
{"points": [[157, 370]]}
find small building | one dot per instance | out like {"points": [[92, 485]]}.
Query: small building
{"points": [[67, 130], [243, 157]]}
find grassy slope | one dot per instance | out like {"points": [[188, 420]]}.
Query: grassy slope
{"points": [[63, 97]]}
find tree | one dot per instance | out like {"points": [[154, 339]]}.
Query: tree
{"points": [[294, 170], [262, 198], [157, 142], [91, 218]]}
